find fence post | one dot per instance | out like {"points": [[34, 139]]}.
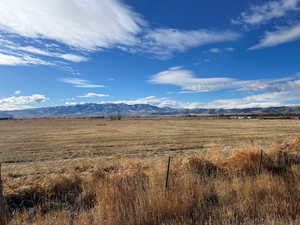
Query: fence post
{"points": [[168, 172], [260, 161], [286, 159], [3, 207]]}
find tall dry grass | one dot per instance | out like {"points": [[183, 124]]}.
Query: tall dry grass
{"points": [[3, 206], [239, 190]]}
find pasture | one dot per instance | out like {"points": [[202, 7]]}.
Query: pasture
{"points": [[24, 141], [98, 171]]}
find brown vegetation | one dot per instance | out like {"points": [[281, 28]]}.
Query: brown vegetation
{"points": [[26, 141], [247, 188], [3, 206]]}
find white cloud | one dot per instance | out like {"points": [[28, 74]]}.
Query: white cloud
{"points": [[73, 27], [272, 99], [259, 93], [222, 103], [187, 80], [281, 36], [267, 99], [80, 83], [69, 30], [65, 56], [152, 100], [19, 102], [18, 92], [229, 49], [30, 49], [215, 50], [260, 14], [190, 83], [73, 58], [252, 101], [71, 103], [88, 25], [219, 50], [238, 104], [165, 42], [12, 60], [92, 95], [19, 50]]}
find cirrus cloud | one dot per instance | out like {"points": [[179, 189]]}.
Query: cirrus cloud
{"points": [[12, 60], [281, 36], [69, 30], [80, 83], [70, 26], [260, 14], [164, 43], [86, 25]]}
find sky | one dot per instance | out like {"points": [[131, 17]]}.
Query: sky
{"points": [[171, 53]]}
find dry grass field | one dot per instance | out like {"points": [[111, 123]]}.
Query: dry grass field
{"points": [[96, 171], [57, 139]]}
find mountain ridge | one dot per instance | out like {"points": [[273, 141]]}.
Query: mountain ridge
{"points": [[108, 109]]}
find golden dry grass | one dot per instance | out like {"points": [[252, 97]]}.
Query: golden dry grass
{"points": [[113, 172], [57, 139], [224, 191]]}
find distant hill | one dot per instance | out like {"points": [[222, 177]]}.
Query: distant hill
{"points": [[88, 110], [5, 115], [95, 110]]}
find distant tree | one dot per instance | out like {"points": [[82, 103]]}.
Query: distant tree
{"points": [[115, 117]]}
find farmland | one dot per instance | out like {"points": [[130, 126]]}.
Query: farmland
{"points": [[24, 141], [98, 171]]}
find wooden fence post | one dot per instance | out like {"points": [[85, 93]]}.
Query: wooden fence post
{"points": [[286, 160], [168, 172], [3, 207], [260, 161]]}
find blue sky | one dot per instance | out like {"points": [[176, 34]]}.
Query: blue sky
{"points": [[191, 54]]}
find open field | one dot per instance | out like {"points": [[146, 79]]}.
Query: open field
{"points": [[97, 171], [57, 139], [247, 188]]}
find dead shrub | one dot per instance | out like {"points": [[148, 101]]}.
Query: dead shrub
{"points": [[204, 168]]}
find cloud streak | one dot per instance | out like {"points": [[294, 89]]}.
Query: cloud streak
{"points": [[188, 82], [72, 26], [263, 13], [151, 100], [86, 25], [69, 30], [281, 36], [80, 83], [13, 60], [164, 43], [257, 93], [93, 95]]}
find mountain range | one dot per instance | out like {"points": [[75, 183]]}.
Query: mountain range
{"points": [[104, 110]]}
